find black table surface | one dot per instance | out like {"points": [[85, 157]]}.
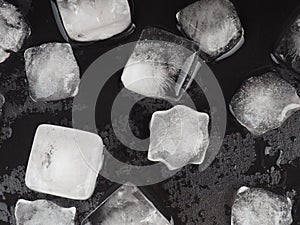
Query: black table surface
{"points": [[192, 197]]}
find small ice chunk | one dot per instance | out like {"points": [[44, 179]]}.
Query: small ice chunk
{"points": [[215, 25], [254, 206], [64, 162], [162, 65], [264, 102], [43, 212], [13, 30], [52, 72], [127, 206], [178, 136], [287, 50], [91, 20]]}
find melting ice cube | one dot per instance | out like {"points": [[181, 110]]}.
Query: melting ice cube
{"points": [[13, 30], [127, 206], [264, 102], [43, 212], [64, 162], [52, 72], [288, 49], [254, 206], [91, 20], [215, 25], [162, 65], [178, 136]]}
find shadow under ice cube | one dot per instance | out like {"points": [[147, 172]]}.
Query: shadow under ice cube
{"points": [[43, 212], [178, 136], [64, 162], [52, 72], [214, 25], [255, 206], [92, 20], [264, 102], [127, 205]]}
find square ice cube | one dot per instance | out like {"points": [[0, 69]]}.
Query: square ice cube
{"points": [[162, 65], [92, 20], [43, 212], [13, 30], [52, 72], [127, 205], [64, 162], [178, 136], [214, 25]]}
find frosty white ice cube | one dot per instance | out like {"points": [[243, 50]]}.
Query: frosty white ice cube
{"points": [[91, 20], [178, 136], [52, 72], [13, 30], [64, 162], [127, 206], [162, 65], [214, 25], [43, 212], [254, 206], [264, 102]]}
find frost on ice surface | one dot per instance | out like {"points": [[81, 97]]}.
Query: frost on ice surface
{"points": [[43, 212], [13, 30], [126, 206], [254, 206], [178, 136], [64, 162], [288, 48], [91, 20], [162, 65], [264, 102], [214, 25], [52, 72]]}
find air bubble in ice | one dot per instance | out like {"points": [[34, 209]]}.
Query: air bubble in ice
{"points": [[43, 212], [52, 72], [64, 162], [254, 206], [214, 25], [178, 137], [264, 102]]}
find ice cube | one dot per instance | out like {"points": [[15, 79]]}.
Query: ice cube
{"points": [[43, 212], [127, 206], [162, 65], [254, 206], [13, 30], [264, 102], [52, 72], [215, 25], [91, 20], [287, 50], [64, 162], [178, 136]]}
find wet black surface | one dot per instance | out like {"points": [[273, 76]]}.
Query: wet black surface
{"points": [[191, 196]]}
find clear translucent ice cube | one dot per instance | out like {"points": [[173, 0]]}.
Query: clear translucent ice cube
{"points": [[178, 136], [162, 65], [215, 25], [126, 206], [264, 102], [287, 50], [13, 30], [43, 212], [91, 20], [52, 72], [64, 162], [254, 206]]}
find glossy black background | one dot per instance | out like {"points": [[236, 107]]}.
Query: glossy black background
{"points": [[263, 21]]}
